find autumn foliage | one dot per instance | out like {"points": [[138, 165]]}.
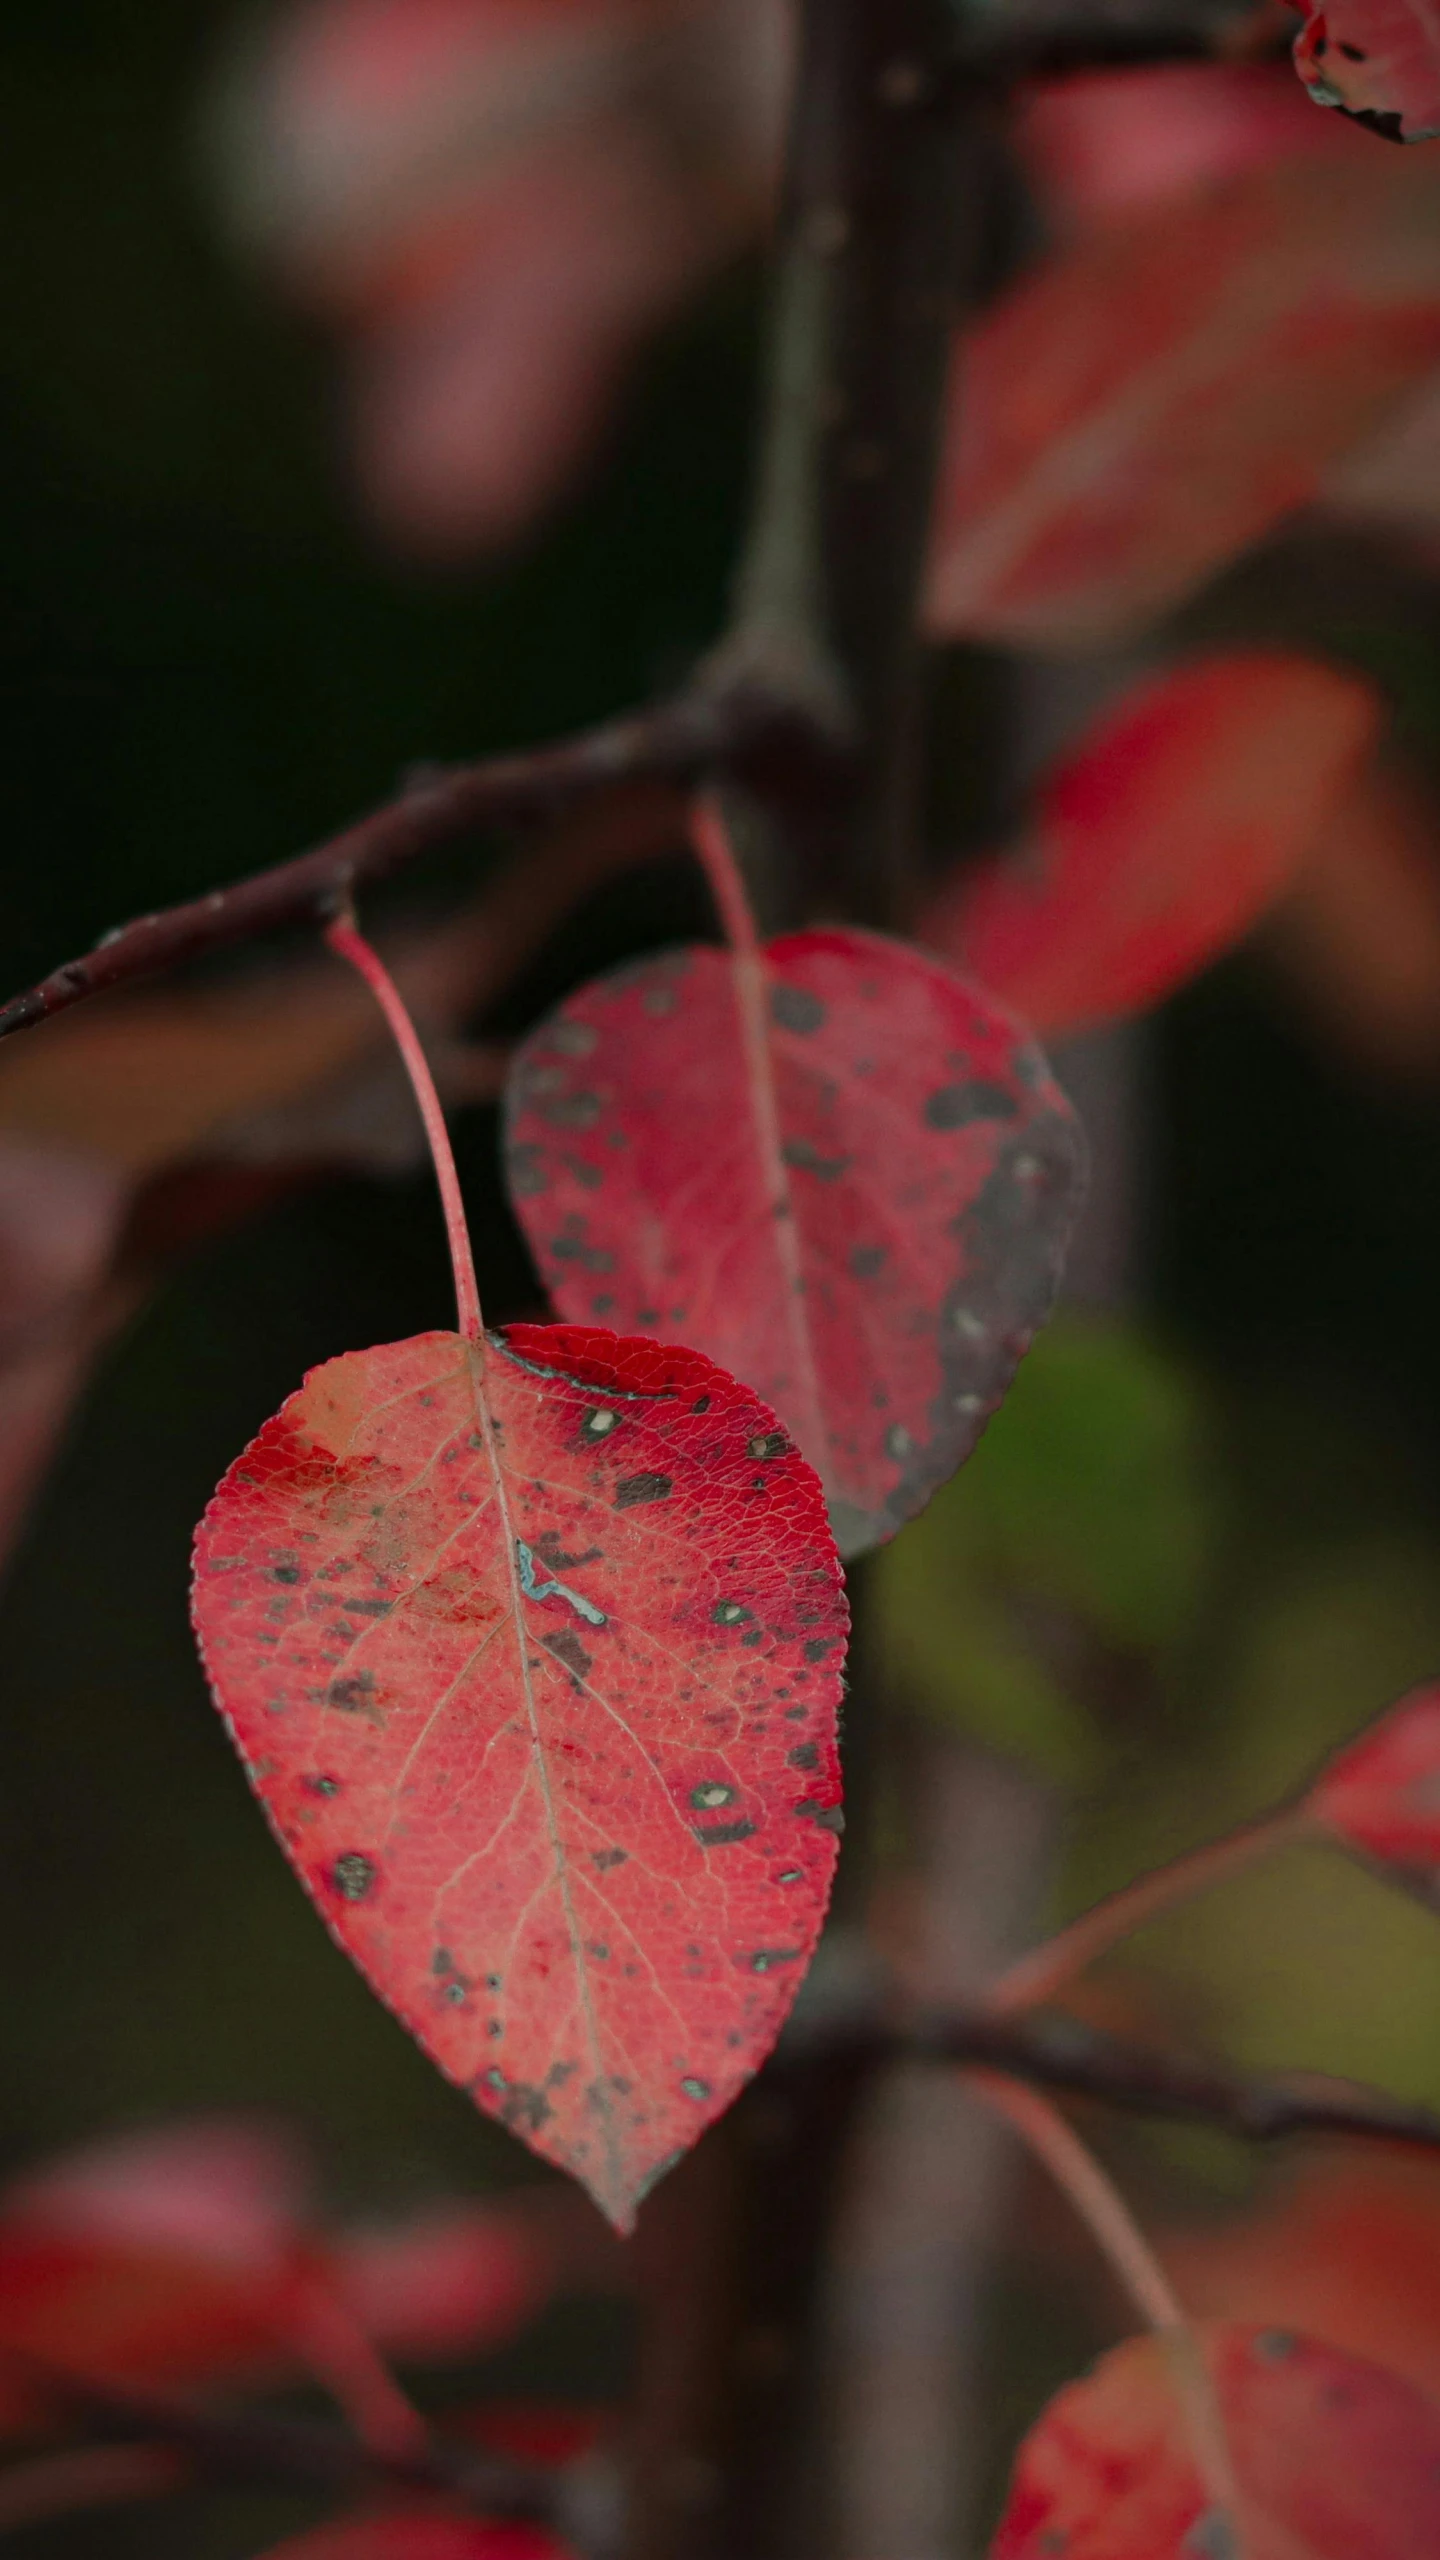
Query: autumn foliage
{"points": [[533, 1637]]}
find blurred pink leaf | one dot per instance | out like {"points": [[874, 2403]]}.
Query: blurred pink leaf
{"points": [[1160, 837], [421, 2536], [1154, 399], [192, 2256], [496, 199], [1099, 145]]}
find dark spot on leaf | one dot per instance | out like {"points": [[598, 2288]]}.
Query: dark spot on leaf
{"points": [[701, 1405], [826, 1817], [573, 1039], [714, 1793], [323, 1786], [695, 2088], [566, 1647], [647, 1315], [570, 1110], [353, 1875], [1273, 2346], [591, 1257], [1385, 122], [1352, 52], [442, 1961], [635, 1489], [718, 1835], [603, 1858], [954, 1106], [284, 1573], [795, 1009], [728, 1613], [799, 1154], [765, 1958], [866, 1260], [525, 2106], [898, 1443], [353, 1695], [806, 1755], [791, 1875], [818, 1647], [551, 1552], [1211, 2537], [767, 1444], [599, 1423], [527, 1172], [753, 1636]]}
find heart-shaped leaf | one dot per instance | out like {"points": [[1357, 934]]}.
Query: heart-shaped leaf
{"points": [[866, 1222], [1333, 2460], [1380, 1796], [1160, 837], [1156, 397], [1377, 60], [533, 1656]]}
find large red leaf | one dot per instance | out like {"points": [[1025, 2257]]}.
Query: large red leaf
{"points": [[868, 1227], [1333, 2460], [1156, 397], [535, 1669], [1377, 60], [1160, 838], [1381, 1795]]}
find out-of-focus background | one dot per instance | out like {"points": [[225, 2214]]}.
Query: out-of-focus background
{"points": [[250, 580]]}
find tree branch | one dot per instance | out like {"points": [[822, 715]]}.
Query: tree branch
{"points": [[1062, 2054], [698, 731]]}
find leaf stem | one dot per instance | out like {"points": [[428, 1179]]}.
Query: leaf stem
{"points": [[345, 938], [1102, 2208], [1038, 1976], [710, 838]]}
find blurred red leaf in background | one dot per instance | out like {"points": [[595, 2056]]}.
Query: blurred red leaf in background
{"points": [[1349, 2252], [172, 2258], [1159, 838], [496, 199], [1380, 1796], [1151, 400], [421, 2536]]}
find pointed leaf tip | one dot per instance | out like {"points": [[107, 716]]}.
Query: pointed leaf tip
{"points": [[932, 1172], [535, 1666], [1380, 1796]]}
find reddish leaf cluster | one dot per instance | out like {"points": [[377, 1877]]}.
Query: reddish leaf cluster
{"points": [[192, 2257]]}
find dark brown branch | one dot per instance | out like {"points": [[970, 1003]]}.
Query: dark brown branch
{"points": [[694, 732], [1061, 2054]]}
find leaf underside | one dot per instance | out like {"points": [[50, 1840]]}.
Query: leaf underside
{"points": [[535, 1669], [932, 1171]]}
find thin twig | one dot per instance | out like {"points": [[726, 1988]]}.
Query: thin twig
{"points": [[1102, 2208], [248, 2446], [1036, 1977], [694, 732]]}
